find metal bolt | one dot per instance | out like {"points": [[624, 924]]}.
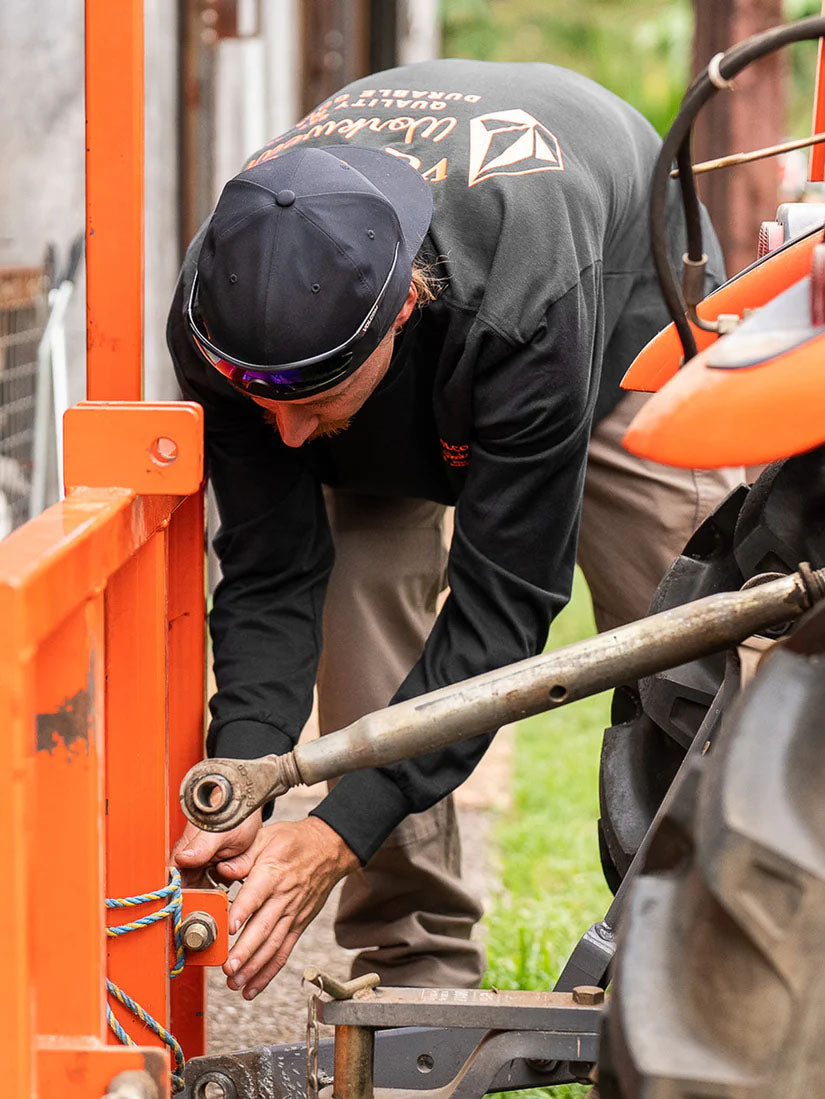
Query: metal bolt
{"points": [[425, 1062], [199, 931], [588, 994], [132, 1085]]}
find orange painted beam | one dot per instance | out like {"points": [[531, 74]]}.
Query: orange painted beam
{"points": [[114, 198], [137, 838], [68, 553], [187, 657], [17, 815], [66, 881]]}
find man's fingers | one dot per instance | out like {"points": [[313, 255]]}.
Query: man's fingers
{"points": [[187, 836], [289, 872], [196, 850], [259, 980], [236, 868], [257, 953], [258, 929], [255, 891]]}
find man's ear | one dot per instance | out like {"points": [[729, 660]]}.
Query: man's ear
{"points": [[406, 308]]}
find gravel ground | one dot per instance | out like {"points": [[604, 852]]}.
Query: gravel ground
{"points": [[277, 1016]]}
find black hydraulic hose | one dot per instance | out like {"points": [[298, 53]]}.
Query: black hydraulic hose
{"points": [[690, 200], [676, 146]]}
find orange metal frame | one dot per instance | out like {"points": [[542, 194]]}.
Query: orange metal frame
{"points": [[101, 679], [102, 686]]}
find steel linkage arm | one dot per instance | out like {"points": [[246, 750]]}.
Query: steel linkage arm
{"points": [[218, 794]]}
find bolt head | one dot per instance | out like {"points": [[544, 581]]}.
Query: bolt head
{"points": [[199, 931], [196, 937], [588, 994]]}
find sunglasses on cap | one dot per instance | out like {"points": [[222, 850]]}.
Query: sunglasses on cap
{"points": [[285, 381]]}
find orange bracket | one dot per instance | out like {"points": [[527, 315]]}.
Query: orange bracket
{"points": [[215, 903], [150, 448]]}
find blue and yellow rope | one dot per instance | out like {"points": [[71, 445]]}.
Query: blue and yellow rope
{"points": [[173, 909]]}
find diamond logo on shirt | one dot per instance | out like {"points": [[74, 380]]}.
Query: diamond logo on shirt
{"points": [[511, 143]]}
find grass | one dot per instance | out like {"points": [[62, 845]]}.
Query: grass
{"points": [[552, 887]]}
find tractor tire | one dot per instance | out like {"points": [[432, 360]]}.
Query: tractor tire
{"points": [[716, 989], [769, 527]]}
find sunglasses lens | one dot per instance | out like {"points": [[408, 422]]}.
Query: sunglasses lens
{"points": [[299, 382]]}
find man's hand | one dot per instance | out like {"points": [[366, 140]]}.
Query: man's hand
{"points": [[290, 870], [197, 849]]}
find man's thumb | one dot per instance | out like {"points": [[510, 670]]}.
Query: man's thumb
{"points": [[198, 850], [237, 868]]}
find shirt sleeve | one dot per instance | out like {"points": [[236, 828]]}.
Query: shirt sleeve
{"points": [[275, 552], [513, 551]]}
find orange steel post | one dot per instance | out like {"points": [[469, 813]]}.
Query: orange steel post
{"points": [[66, 913], [816, 168], [137, 837], [186, 596], [114, 198], [17, 808]]}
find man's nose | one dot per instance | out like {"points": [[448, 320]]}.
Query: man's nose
{"points": [[295, 425]]}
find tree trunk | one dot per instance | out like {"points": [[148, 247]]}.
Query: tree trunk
{"points": [[749, 117]]}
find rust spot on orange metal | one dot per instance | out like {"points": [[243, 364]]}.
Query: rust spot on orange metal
{"points": [[68, 726]]}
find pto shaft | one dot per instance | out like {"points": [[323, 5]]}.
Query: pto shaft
{"points": [[219, 794]]}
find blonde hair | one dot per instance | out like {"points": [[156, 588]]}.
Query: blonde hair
{"points": [[427, 283]]}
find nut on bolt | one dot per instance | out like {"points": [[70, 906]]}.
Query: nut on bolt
{"points": [[589, 995], [199, 931]]}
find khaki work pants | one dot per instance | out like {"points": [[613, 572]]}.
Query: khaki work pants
{"points": [[408, 911]]}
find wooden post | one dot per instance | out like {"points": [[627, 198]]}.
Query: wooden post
{"points": [[753, 115]]}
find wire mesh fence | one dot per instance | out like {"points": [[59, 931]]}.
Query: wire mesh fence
{"points": [[23, 310]]}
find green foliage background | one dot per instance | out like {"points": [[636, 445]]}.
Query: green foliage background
{"points": [[640, 49]]}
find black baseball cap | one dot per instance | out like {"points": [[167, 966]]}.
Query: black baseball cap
{"points": [[305, 264]]}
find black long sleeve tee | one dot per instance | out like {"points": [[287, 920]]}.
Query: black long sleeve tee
{"points": [[540, 187]]}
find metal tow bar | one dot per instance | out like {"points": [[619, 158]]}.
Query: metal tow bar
{"points": [[218, 794]]}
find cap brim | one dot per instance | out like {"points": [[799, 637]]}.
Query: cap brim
{"points": [[756, 285], [709, 416], [409, 194]]}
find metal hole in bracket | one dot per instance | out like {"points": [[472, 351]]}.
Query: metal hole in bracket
{"points": [[213, 793], [164, 450], [425, 1062], [214, 1090], [214, 1085], [558, 693]]}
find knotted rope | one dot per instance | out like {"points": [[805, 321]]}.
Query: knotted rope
{"points": [[172, 909]]}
